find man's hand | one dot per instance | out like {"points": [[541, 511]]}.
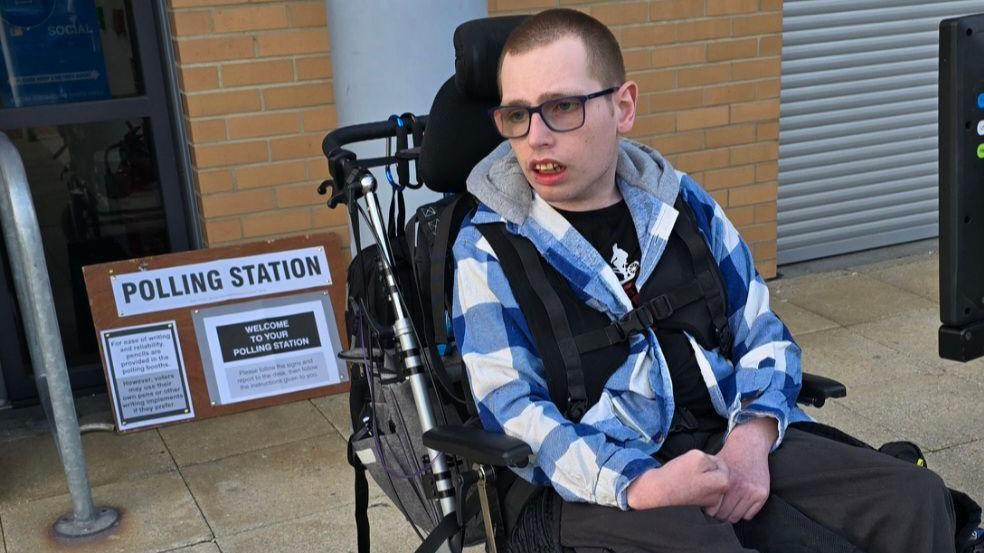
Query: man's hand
{"points": [[694, 478], [746, 453]]}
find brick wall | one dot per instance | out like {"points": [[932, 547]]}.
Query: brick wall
{"points": [[708, 72], [256, 89]]}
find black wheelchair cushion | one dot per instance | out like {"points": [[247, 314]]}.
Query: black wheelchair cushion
{"points": [[459, 134], [477, 46]]}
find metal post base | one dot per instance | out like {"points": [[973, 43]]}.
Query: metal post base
{"points": [[66, 527]]}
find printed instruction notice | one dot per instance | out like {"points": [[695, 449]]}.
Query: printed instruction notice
{"points": [[148, 381], [270, 348]]}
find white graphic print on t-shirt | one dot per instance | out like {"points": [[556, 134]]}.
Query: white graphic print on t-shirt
{"points": [[620, 264]]}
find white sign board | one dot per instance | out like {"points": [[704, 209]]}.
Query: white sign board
{"points": [[220, 280], [268, 347], [148, 382]]}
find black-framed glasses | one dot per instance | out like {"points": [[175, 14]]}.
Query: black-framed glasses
{"points": [[560, 114]]}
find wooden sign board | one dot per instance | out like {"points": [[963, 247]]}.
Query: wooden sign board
{"points": [[222, 330]]}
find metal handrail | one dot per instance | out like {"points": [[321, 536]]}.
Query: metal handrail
{"points": [[25, 250]]}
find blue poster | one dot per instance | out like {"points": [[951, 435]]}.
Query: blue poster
{"points": [[52, 53]]}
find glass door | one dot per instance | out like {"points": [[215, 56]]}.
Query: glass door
{"points": [[83, 98]]}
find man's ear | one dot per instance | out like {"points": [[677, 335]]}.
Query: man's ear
{"points": [[625, 106]]}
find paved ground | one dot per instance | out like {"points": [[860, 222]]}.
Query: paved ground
{"points": [[276, 480]]}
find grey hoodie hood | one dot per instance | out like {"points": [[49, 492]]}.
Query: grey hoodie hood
{"points": [[498, 180]]}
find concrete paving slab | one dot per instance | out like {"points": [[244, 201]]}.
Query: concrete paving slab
{"points": [[335, 408], [218, 437], [30, 467], [272, 485], [205, 547], [961, 467], [3, 541], [850, 299], [936, 412], [800, 321], [920, 277], [159, 514], [915, 333], [855, 360]]}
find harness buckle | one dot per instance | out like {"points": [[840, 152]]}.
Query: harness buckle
{"points": [[660, 307]]}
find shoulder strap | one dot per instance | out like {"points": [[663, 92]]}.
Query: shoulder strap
{"points": [[449, 219], [524, 270], [708, 276]]}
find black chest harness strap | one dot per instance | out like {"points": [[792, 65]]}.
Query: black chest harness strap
{"points": [[557, 344]]}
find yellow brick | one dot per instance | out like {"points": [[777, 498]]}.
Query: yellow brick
{"points": [[678, 142], [279, 222], [767, 131], [257, 72], [264, 124], [757, 69], [318, 169], [770, 5], [674, 100], [323, 217], [761, 232], [703, 29], [308, 15], [252, 18], [729, 178], [767, 171], [212, 182], [672, 56], [701, 161], [220, 103], [721, 197], [653, 81], [654, 124], [176, 4], [700, 76], [191, 23], [768, 89], [511, 5], [225, 230], [319, 119], [730, 7], [770, 45], [702, 118], [236, 203], [282, 43], [221, 155], [730, 136], [753, 153], [295, 147], [203, 50], [764, 110], [299, 195], [270, 174], [752, 194], [196, 79], [207, 130], [676, 9], [740, 216], [617, 14], [729, 94], [296, 96], [637, 59], [313, 68], [762, 24], [765, 267], [733, 49], [646, 35], [765, 213]]}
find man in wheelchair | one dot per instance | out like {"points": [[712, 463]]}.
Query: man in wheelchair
{"points": [[673, 428]]}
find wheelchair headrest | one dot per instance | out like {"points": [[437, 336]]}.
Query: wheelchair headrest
{"points": [[459, 130]]}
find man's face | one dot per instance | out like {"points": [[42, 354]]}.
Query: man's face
{"points": [[572, 170]]}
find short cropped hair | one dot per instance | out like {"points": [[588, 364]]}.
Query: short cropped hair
{"points": [[605, 61]]}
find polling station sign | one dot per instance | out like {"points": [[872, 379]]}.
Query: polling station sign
{"points": [[220, 280], [220, 330], [268, 347]]}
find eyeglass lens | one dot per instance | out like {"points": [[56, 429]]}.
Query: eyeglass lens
{"points": [[562, 114]]}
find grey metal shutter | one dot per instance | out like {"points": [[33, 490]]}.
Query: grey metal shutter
{"points": [[858, 125]]}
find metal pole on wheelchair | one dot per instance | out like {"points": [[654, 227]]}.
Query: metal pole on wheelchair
{"points": [[407, 341]]}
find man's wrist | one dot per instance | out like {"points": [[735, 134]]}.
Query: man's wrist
{"points": [[762, 431]]}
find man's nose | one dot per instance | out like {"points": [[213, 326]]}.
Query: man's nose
{"points": [[540, 134]]}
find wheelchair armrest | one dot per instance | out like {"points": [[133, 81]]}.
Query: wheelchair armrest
{"points": [[816, 390], [477, 445]]}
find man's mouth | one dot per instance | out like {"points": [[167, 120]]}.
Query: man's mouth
{"points": [[548, 168]]}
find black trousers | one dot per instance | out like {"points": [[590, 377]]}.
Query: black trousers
{"points": [[878, 503]]}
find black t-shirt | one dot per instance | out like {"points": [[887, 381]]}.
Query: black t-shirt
{"points": [[611, 231]]}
